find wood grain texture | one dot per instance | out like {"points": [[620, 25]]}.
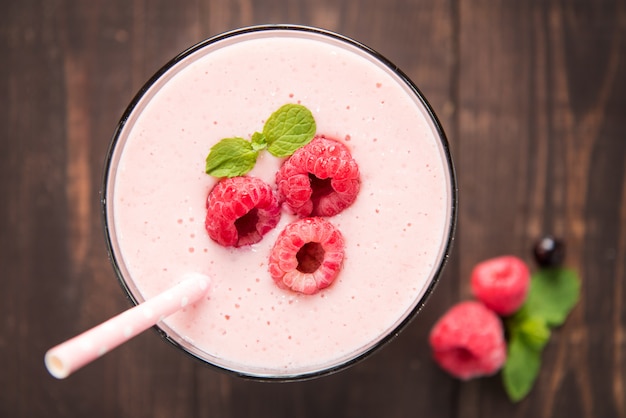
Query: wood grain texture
{"points": [[532, 96]]}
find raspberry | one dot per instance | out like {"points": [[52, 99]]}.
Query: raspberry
{"points": [[307, 255], [468, 341], [501, 283], [319, 179], [240, 210]]}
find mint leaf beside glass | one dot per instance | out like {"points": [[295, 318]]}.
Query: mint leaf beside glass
{"points": [[553, 294], [521, 368]]}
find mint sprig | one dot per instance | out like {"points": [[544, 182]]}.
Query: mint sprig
{"points": [[521, 368], [552, 295], [290, 127], [287, 129], [231, 156]]}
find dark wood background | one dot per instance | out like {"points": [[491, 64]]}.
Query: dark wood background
{"points": [[532, 95]]}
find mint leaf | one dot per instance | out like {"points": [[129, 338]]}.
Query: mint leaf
{"points": [[287, 129], [258, 141], [552, 295], [521, 368], [534, 331], [290, 127], [231, 157]]}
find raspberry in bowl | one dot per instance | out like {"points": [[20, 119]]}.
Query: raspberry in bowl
{"points": [[374, 185]]}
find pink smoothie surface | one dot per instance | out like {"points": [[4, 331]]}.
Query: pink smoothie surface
{"points": [[396, 232]]}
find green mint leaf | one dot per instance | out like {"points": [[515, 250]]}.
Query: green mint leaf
{"points": [[521, 368], [534, 331], [290, 127], [258, 141], [231, 157], [552, 295]]}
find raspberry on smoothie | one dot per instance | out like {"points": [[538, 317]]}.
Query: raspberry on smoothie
{"points": [[307, 255], [319, 179], [240, 210]]}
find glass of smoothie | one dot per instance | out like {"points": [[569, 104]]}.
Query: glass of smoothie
{"points": [[397, 232]]}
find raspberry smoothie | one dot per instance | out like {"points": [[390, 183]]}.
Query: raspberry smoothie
{"points": [[397, 232]]}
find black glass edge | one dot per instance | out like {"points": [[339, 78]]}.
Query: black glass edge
{"points": [[444, 144]]}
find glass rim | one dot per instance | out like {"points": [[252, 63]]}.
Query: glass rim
{"points": [[447, 241]]}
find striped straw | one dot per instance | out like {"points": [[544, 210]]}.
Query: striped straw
{"points": [[75, 353]]}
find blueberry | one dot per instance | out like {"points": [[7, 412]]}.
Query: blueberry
{"points": [[549, 252]]}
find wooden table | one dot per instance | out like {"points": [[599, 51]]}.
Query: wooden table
{"points": [[533, 99]]}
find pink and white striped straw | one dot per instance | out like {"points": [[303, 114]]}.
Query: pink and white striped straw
{"points": [[73, 354]]}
